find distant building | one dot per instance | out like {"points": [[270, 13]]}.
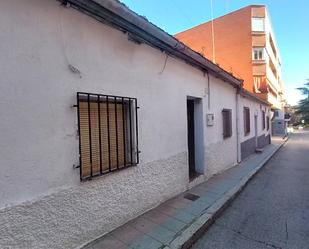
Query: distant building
{"points": [[243, 43]]}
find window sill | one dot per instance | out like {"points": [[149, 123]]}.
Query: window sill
{"points": [[106, 173], [258, 32], [258, 61]]}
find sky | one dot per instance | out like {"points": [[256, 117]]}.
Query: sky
{"points": [[290, 23]]}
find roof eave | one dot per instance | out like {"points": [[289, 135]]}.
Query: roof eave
{"points": [[139, 29], [252, 96]]}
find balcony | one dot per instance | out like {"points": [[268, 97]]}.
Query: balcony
{"points": [[273, 58]]}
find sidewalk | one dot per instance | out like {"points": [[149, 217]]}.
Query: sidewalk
{"points": [[178, 222]]}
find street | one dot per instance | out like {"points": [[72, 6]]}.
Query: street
{"points": [[273, 210]]}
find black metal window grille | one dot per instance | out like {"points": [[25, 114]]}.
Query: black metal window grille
{"points": [[246, 120], [227, 122], [263, 120], [108, 133]]}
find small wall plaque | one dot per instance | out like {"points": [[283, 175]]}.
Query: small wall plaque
{"points": [[210, 119]]}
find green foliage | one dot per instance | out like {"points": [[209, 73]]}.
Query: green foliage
{"points": [[304, 90], [303, 105]]}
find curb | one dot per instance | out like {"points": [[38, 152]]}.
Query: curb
{"points": [[192, 233]]}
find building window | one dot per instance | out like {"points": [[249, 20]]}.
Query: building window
{"points": [[267, 123], [108, 133], [263, 120], [246, 120], [258, 54], [258, 24], [276, 113], [227, 123]]}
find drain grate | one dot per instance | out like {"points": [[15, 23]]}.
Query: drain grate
{"points": [[191, 197]]}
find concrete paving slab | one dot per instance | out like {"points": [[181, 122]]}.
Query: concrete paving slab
{"points": [[184, 217], [179, 202], [173, 224], [168, 210], [162, 234], [145, 242], [155, 216], [108, 242], [126, 234], [143, 225]]}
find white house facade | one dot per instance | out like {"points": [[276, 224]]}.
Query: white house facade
{"points": [[103, 117], [255, 123]]}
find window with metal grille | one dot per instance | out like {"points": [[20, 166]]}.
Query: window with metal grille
{"points": [[246, 120], [108, 133], [227, 123], [263, 120]]}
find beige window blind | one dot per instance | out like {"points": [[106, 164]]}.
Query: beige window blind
{"points": [[108, 134]]}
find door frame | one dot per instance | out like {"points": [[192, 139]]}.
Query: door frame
{"points": [[196, 141]]}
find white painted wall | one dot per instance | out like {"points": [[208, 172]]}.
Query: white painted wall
{"points": [[38, 145], [256, 108], [215, 144]]}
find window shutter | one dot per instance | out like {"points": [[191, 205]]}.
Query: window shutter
{"points": [[227, 123], [230, 123], [246, 120]]}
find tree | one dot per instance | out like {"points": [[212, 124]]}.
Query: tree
{"points": [[303, 105]]}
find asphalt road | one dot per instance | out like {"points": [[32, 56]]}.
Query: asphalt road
{"points": [[273, 210]]}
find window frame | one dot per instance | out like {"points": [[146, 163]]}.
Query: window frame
{"points": [[227, 127], [255, 25], [128, 125], [258, 50], [247, 121]]}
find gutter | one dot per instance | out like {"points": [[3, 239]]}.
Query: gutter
{"points": [[140, 30]]}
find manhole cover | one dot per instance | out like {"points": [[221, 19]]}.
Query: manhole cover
{"points": [[191, 197]]}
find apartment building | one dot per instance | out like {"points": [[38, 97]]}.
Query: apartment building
{"points": [[243, 43]]}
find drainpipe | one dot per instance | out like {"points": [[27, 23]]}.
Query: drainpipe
{"points": [[208, 90], [237, 125]]}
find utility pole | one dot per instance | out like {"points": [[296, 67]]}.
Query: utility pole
{"points": [[212, 33]]}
